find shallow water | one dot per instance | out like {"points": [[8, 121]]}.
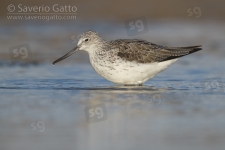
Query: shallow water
{"points": [[69, 106], [50, 107]]}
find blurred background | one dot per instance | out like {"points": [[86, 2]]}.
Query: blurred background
{"points": [[69, 106], [174, 23]]}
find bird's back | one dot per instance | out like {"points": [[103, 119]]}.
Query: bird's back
{"points": [[146, 52]]}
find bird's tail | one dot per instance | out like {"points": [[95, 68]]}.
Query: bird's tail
{"points": [[177, 52]]}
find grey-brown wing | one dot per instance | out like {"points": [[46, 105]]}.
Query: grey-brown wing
{"points": [[146, 52]]}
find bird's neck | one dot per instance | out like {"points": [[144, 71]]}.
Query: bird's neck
{"points": [[100, 46]]}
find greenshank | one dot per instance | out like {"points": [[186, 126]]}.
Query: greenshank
{"points": [[128, 61]]}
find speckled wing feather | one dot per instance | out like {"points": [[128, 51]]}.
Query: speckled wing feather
{"points": [[146, 52]]}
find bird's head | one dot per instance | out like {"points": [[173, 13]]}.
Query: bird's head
{"points": [[89, 41]]}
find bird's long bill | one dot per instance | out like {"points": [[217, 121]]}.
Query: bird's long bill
{"points": [[67, 55]]}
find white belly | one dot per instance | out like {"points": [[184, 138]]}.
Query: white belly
{"points": [[129, 73]]}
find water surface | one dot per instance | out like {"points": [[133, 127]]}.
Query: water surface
{"points": [[43, 107]]}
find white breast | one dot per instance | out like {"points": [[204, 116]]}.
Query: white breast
{"points": [[128, 73]]}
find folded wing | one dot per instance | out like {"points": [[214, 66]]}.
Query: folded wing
{"points": [[146, 52]]}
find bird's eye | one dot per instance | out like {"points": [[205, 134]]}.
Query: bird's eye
{"points": [[86, 40]]}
